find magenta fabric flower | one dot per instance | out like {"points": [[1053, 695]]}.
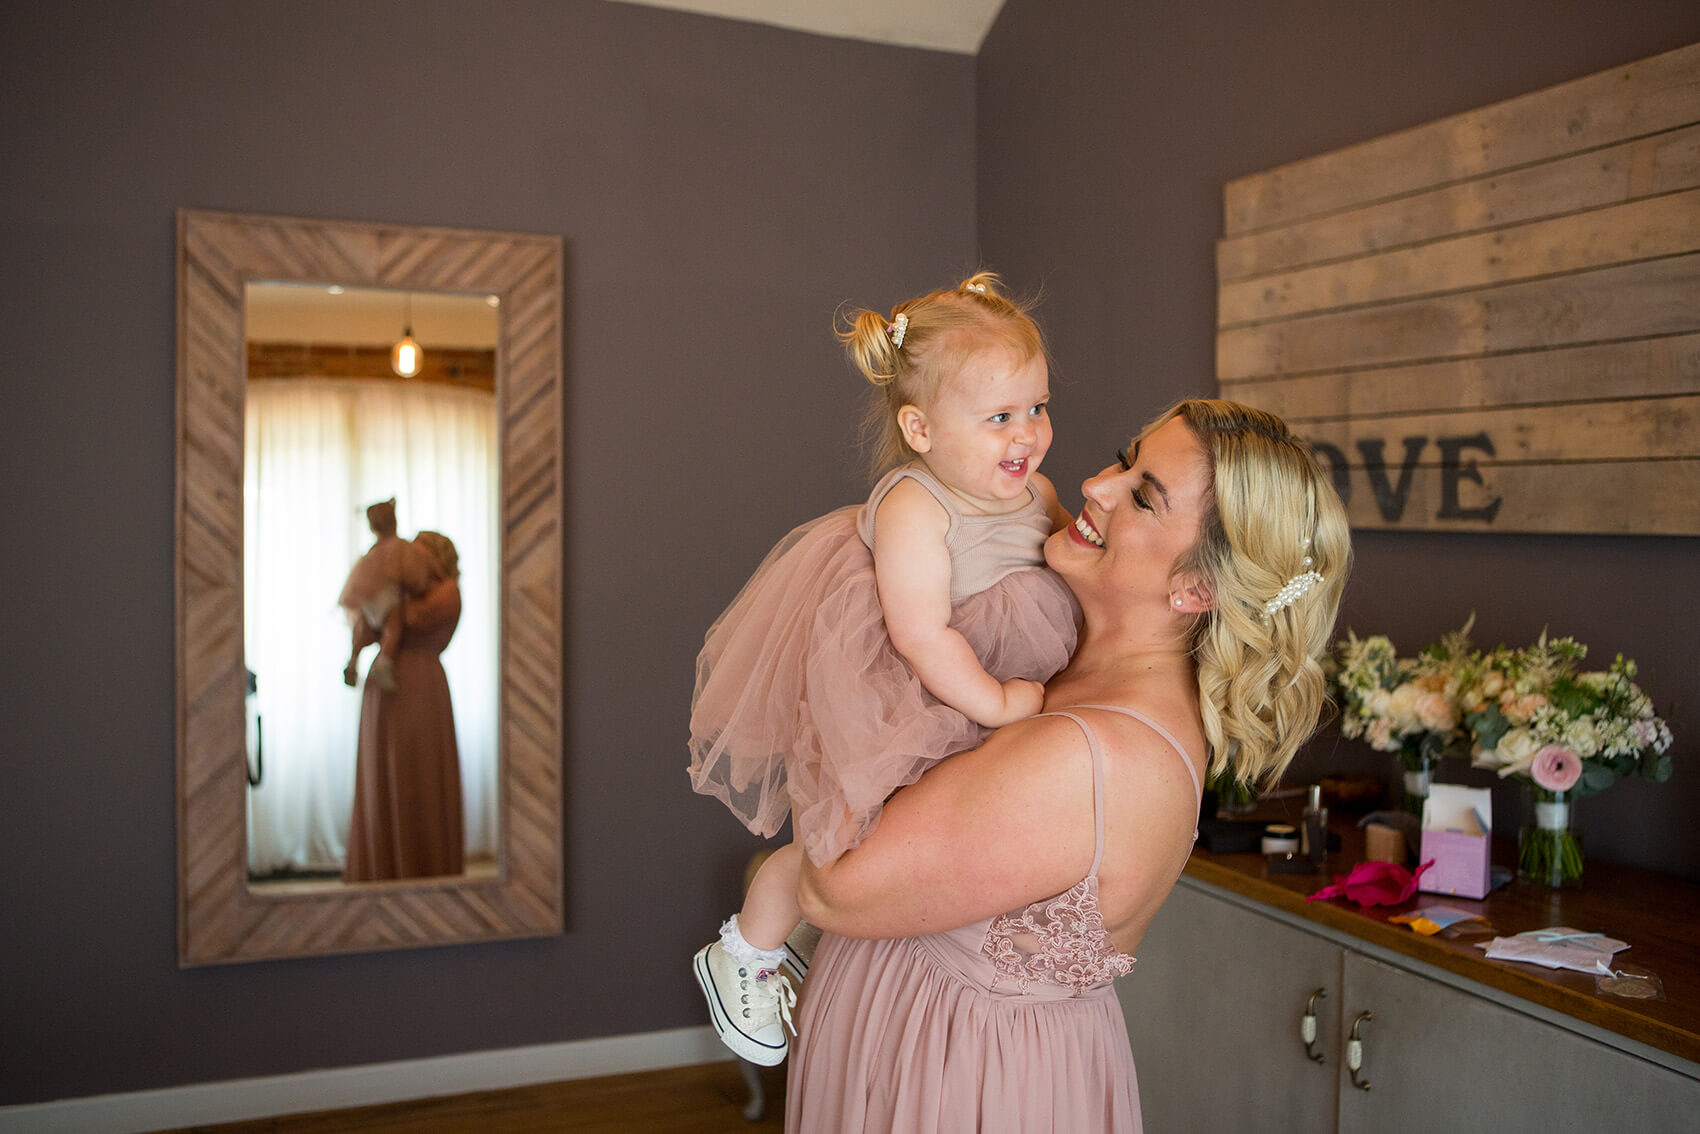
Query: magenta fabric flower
{"points": [[1556, 768], [1373, 884]]}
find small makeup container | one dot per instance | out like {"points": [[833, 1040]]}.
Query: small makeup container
{"points": [[1280, 840]]}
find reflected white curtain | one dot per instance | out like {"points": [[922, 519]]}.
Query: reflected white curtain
{"points": [[318, 452]]}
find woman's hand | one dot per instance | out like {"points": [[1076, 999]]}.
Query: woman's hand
{"points": [[436, 606]]}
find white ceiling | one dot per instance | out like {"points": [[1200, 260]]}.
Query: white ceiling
{"points": [[942, 25], [367, 316]]}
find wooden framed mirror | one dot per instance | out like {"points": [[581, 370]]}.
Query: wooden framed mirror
{"points": [[232, 904]]}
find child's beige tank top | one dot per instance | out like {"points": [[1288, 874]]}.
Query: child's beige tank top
{"points": [[983, 549]]}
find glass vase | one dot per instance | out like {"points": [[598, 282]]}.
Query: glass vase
{"points": [[1418, 771], [1549, 847]]}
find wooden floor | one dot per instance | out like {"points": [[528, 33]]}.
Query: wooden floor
{"points": [[707, 1099]]}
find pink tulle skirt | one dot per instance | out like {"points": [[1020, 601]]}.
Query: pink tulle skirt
{"points": [[803, 705]]}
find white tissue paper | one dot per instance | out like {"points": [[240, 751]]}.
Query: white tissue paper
{"points": [[1559, 947]]}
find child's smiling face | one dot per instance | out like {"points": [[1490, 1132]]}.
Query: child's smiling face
{"points": [[986, 430]]}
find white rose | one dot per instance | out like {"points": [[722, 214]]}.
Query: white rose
{"points": [[1380, 735], [1516, 751], [1402, 707], [1582, 738], [1376, 702]]}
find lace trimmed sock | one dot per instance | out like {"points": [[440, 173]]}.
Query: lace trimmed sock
{"points": [[732, 940]]}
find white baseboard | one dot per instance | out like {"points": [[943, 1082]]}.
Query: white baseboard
{"points": [[238, 1100]]}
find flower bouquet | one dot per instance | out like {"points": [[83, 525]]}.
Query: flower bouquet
{"points": [[1404, 705], [1567, 733]]}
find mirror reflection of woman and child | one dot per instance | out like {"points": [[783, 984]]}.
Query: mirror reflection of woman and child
{"points": [[1087, 671], [404, 597]]}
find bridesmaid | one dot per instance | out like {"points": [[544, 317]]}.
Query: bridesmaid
{"points": [[408, 820], [964, 981]]}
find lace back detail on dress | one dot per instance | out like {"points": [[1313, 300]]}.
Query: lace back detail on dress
{"points": [[1060, 941]]}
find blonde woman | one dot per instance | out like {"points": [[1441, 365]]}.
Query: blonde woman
{"points": [[964, 982]]}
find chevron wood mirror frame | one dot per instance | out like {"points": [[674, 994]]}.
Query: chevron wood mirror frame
{"points": [[221, 918]]}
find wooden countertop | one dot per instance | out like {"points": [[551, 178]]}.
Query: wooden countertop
{"points": [[1658, 915]]}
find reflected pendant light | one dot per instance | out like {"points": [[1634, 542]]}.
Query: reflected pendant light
{"points": [[406, 357]]}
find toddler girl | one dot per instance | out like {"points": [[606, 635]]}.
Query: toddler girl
{"points": [[392, 569], [878, 639]]}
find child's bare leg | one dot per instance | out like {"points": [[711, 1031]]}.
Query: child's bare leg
{"points": [[770, 910], [389, 641], [360, 636]]}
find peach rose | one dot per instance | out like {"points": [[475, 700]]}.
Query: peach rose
{"points": [[1435, 712], [1380, 735], [1521, 709]]}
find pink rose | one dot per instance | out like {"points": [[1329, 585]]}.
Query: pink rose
{"points": [[1556, 768]]}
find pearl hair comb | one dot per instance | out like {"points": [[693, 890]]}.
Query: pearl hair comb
{"points": [[897, 328], [1294, 588]]}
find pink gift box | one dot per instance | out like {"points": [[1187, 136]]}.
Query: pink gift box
{"points": [[1457, 829], [1460, 864]]}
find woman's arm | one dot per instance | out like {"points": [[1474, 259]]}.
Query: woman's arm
{"points": [[912, 570], [981, 833], [1010, 823], [436, 606]]}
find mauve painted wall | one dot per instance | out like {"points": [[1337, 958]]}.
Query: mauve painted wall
{"points": [[1106, 132], [721, 188]]}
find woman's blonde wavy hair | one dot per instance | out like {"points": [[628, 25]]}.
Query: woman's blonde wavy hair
{"points": [[1272, 514], [945, 328], [442, 548]]}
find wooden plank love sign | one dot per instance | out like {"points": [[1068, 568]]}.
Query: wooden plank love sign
{"points": [[1490, 322]]}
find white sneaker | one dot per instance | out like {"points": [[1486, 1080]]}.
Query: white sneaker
{"points": [[750, 1008], [382, 674]]}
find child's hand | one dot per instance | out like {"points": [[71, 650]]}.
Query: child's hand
{"points": [[1021, 699]]}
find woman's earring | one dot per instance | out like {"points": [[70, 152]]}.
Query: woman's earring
{"points": [[1177, 600]]}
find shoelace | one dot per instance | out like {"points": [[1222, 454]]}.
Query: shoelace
{"points": [[768, 998]]}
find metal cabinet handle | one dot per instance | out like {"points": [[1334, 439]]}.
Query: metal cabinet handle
{"points": [[1355, 1051], [1307, 1025]]}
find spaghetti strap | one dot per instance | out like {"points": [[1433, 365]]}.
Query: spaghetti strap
{"points": [[1098, 767], [1097, 788], [1197, 788]]}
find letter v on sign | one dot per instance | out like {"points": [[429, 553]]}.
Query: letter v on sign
{"points": [[1391, 498]]}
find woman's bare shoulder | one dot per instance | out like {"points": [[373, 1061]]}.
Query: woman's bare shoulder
{"points": [[1148, 744]]}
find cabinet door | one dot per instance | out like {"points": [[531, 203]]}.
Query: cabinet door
{"points": [[1213, 1010], [1438, 1058]]}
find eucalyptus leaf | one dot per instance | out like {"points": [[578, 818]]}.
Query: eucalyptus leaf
{"points": [[1596, 777], [1489, 725]]}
